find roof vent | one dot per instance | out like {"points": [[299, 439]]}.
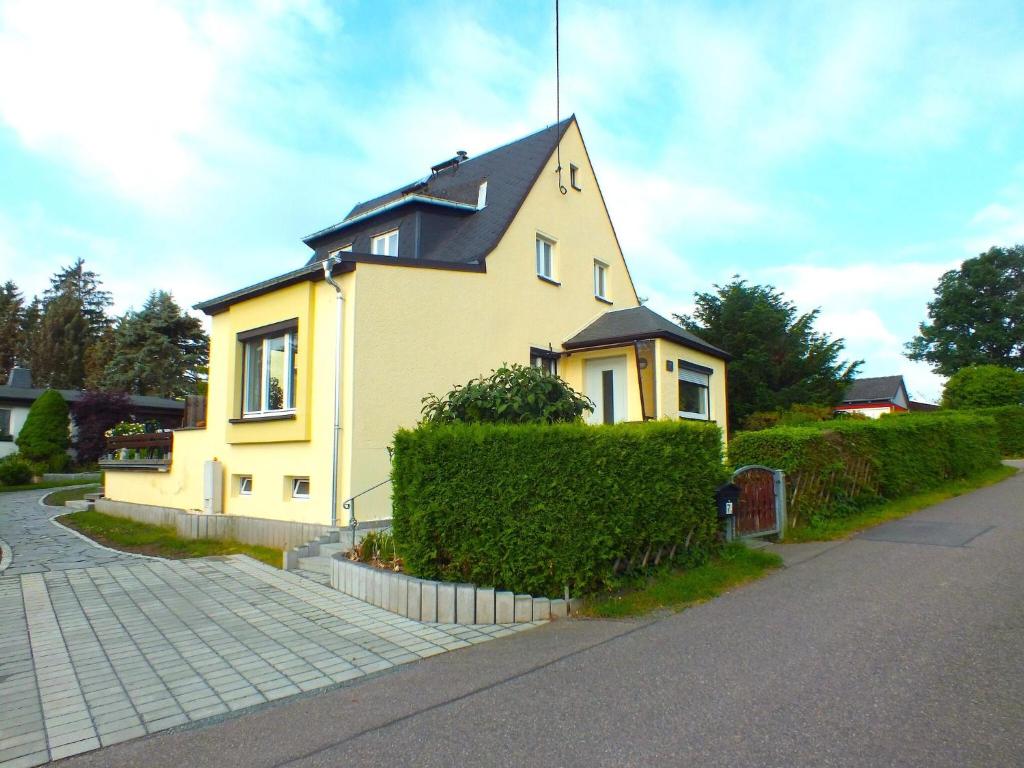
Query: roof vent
{"points": [[453, 162]]}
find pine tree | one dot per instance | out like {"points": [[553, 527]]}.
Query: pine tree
{"points": [[12, 311], [59, 346], [158, 350], [45, 435], [84, 285]]}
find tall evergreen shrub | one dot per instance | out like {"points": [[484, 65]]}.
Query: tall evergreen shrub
{"points": [[45, 436]]}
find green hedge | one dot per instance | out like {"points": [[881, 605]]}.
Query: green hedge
{"points": [[532, 508], [1009, 426], [840, 466]]}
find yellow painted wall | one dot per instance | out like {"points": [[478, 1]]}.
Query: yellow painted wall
{"points": [[272, 452], [668, 381]]}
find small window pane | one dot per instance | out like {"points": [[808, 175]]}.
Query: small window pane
{"points": [[693, 398], [544, 258], [253, 374], [300, 487], [275, 373], [245, 486], [294, 374], [600, 279], [385, 244]]}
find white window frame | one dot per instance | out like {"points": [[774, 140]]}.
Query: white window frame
{"points": [[288, 386], [701, 380], [548, 256], [245, 485], [343, 249], [382, 244], [574, 179], [546, 363], [296, 481], [601, 280]]}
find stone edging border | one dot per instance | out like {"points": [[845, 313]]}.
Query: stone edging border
{"points": [[443, 602], [6, 555]]}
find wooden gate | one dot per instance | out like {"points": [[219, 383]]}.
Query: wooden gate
{"points": [[761, 508]]}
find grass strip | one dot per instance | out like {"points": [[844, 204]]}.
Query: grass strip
{"points": [[49, 484], [60, 498], [146, 539], [677, 589], [841, 527]]}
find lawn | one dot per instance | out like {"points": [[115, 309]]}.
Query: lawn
{"points": [[838, 528], [51, 484], [145, 539], [60, 498], [677, 589]]}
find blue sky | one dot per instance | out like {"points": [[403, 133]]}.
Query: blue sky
{"points": [[848, 153]]}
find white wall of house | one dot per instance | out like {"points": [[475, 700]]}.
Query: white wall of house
{"points": [[875, 412], [18, 415]]}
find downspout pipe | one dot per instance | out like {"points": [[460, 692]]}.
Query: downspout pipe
{"points": [[329, 263]]}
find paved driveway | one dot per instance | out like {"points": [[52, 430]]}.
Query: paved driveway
{"points": [[98, 648]]}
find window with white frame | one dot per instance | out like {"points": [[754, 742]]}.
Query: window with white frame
{"points": [[693, 391], [574, 178], [269, 373], [245, 485], [545, 258], [300, 487], [385, 244], [343, 249], [600, 280], [546, 361]]}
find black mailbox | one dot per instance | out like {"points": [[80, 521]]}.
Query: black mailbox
{"points": [[726, 497]]}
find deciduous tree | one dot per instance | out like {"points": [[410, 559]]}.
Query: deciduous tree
{"points": [[977, 316], [984, 386]]}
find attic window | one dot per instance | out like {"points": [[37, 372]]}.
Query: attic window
{"points": [[574, 179], [481, 196], [385, 244], [343, 249]]}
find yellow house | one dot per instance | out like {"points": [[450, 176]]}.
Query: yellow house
{"points": [[492, 259]]}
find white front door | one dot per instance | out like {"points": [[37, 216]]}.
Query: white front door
{"points": [[604, 382]]}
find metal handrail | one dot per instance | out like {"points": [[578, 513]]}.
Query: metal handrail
{"points": [[350, 504]]}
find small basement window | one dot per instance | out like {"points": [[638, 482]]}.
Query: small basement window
{"points": [[385, 244], [300, 487], [245, 485], [545, 258]]}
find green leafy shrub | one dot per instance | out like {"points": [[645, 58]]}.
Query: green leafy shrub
{"points": [[984, 386], [533, 508], [836, 468], [514, 394], [45, 435], [1009, 427], [14, 470]]}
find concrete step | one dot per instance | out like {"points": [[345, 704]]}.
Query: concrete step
{"points": [[331, 549], [79, 505], [316, 564]]}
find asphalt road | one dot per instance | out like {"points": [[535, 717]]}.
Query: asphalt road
{"points": [[873, 652]]}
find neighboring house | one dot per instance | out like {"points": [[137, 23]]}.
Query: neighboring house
{"points": [[875, 397], [485, 261], [18, 394]]}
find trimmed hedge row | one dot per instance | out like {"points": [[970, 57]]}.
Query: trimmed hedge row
{"points": [[837, 467], [533, 508], [1009, 426]]}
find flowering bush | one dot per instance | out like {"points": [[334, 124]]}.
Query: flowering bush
{"points": [[126, 428]]}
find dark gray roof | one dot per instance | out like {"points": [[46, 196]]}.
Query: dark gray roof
{"points": [[510, 172], [880, 388], [634, 324], [30, 395]]}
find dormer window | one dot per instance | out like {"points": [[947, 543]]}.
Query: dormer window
{"points": [[481, 196], [343, 249], [385, 244], [574, 177]]}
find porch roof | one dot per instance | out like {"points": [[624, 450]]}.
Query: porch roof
{"points": [[636, 324]]}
